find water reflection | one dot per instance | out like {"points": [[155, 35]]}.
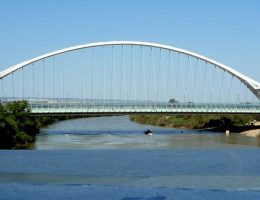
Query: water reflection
{"points": [[242, 140]]}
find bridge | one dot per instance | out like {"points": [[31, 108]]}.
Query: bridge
{"points": [[128, 77]]}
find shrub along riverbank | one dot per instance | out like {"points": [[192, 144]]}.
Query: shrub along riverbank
{"points": [[234, 123], [18, 128]]}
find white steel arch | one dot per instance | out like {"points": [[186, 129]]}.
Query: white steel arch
{"points": [[253, 85]]}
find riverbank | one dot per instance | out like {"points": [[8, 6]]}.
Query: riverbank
{"points": [[233, 123], [254, 132], [251, 133]]}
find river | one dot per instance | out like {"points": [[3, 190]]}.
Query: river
{"points": [[111, 158], [118, 132]]}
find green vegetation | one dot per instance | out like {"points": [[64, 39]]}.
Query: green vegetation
{"points": [[18, 128], [173, 101], [234, 123]]}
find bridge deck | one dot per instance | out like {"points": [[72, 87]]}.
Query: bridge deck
{"points": [[57, 108]]}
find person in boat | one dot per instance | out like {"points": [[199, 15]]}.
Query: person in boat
{"points": [[148, 132]]}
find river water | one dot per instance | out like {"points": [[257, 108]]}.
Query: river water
{"points": [[111, 158], [118, 132]]}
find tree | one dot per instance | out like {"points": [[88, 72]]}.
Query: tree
{"points": [[173, 101], [17, 127]]}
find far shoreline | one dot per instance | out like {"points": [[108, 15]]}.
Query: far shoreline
{"points": [[253, 132], [244, 125]]}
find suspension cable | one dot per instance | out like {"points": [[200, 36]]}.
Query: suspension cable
{"points": [[186, 77], [172, 68], [213, 84], [239, 93], [13, 84], [140, 72], [102, 76], [177, 75], [121, 72], [131, 73], [168, 74], [82, 77], [144, 85], [23, 82], [92, 72], [33, 96], [158, 76], [134, 82], [149, 77], [194, 81], [203, 84], [2, 81], [230, 87], [221, 88], [125, 86], [62, 79], [112, 77], [53, 78], [43, 71]]}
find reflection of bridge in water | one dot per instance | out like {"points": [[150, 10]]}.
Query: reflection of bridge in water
{"points": [[128, 77]]}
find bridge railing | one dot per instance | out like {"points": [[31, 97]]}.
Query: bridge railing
{"points": [[144, 108]]}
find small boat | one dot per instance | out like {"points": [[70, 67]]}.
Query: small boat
{"points": [[148, 132]]}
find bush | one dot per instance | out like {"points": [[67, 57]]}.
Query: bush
{"points": [[16, 126], [194, 121]]}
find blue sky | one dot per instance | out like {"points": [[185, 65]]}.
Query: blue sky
{"points": [[227, 31]]}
